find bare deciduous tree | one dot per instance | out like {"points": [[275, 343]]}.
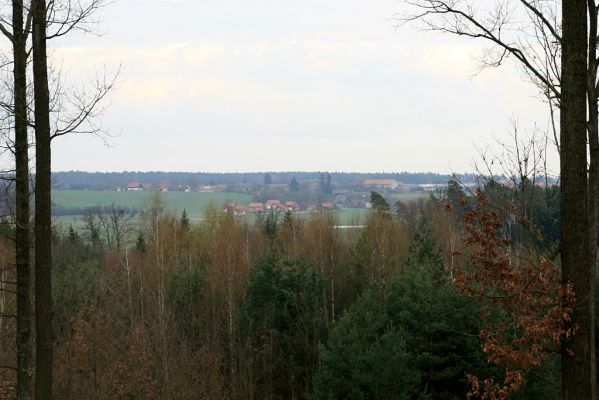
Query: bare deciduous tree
{"points": [[551, 42]]}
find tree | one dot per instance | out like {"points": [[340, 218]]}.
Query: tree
{"points": [[578, 262], [64, 17], [413, 338], [294, 186], [325, 183], [21, 151], [525, 305], [267, 179], [282, 323], [378, 202], [43, 202], [557, 63]]}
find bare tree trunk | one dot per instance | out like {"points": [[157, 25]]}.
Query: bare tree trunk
{"points": [[43, 184], [593, 196], [578, 380], [23, 258]]}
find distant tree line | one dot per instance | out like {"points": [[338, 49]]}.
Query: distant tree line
{"points": [[111, 180], [58, 210]]}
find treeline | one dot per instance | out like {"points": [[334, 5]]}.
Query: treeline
{"points": [[58, 210], [111, 180], [277, 308]]}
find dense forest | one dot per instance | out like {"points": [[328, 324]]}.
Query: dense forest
{"points": [[489, 294], [287, 308]]}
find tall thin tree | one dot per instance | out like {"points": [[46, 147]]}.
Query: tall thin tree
{"points": [[43, 184], [578, 377], [23, 259]]}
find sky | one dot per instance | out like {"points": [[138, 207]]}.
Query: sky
{"points": [[272, 85]]}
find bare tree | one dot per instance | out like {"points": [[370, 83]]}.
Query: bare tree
{"points": [[551, 42]]}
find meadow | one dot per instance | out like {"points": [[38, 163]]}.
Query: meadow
{"points": [[194, 203]]}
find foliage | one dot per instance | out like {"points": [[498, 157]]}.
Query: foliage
{"points": [[523, 301], [282, 324], [294, 185], [378, 202], [402, 340]]}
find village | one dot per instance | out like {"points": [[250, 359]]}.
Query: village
{"points": [[308, 196]]}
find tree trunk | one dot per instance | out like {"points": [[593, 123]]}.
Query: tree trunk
{"points": [[593, 196], [43, 263], [24, 382], [578, 380]]}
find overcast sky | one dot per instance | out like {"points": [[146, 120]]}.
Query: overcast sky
{"points": [[254, 85]]}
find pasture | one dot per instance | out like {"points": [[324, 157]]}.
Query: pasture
{"points": [[193, 202]]}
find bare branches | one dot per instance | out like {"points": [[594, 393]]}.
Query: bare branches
{"points": [[65, 16], [76, 110], [534, 42]]}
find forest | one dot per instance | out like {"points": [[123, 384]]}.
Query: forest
{"points": [[483, 291], [286, 308]]}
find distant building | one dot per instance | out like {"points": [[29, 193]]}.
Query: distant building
{"points": [[274, 205], [391, 184], [161, 187], [212, 188], [236, 209], [292, 206], [256, 207], [327, 206], [135, 187]]}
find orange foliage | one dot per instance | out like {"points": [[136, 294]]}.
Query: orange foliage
{"points": [[524, 303]]}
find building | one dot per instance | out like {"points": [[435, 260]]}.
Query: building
{"points": [[274, 205], [256, 207], [292, 206], [389, 184], [135, 187]]}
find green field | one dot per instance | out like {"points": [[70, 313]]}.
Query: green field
{"points": [[194, 203], [406, 197]]}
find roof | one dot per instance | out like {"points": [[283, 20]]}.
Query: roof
{"points": [[380, 182], [134, 185]]}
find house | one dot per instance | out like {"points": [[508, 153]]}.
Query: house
{"points": [[161, 187], [236, 209], [292, 206], [391, 184], [256, 207], [274, 205], [135, 187], [327, 206], [212, 188]]}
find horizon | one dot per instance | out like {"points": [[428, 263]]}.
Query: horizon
{"points": [[308, 86]]}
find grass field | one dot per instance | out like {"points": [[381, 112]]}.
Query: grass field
{"points": [[406, 197], [194, 203]]}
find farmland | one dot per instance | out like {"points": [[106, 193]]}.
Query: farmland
{"points": [[194, 203]]}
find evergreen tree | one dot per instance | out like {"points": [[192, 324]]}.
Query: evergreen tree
{"points": [[267, 179], [184, 222], [294, 186], [282, 323], [378, 202], [140, 243], [414, 338]]}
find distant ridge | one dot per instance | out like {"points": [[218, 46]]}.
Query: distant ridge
{"points": [[111, 180]]}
